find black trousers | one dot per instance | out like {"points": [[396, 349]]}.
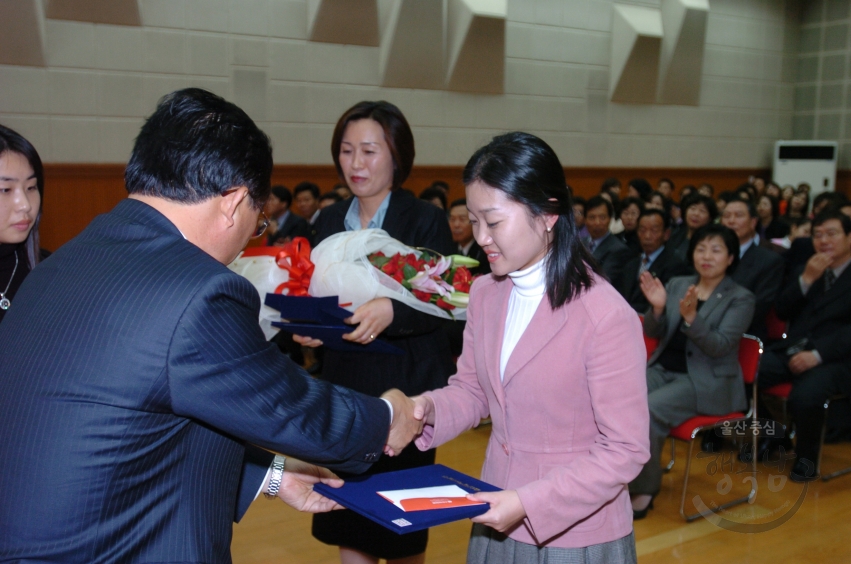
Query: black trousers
{"points": [[810, 389]]}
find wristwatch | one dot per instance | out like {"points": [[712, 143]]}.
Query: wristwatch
{"points": [[275, 479]]}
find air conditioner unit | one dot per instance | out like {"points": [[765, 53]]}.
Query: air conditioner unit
{"points": [[813, 162]]}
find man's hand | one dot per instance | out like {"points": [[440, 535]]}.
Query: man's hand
{"points": [[802, 361], [297, 487], [404, 427], [654, 291], [816, 266], [505, 512]]}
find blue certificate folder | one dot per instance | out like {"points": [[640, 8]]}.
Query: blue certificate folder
{"points": [[321, 318], [360, 494]]}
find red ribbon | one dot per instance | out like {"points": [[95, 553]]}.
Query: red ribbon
{"points": [[294, 257]]}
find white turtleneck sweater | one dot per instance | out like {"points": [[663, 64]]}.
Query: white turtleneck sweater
{"points": [[529, 288]]}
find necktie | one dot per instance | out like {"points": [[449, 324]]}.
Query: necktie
{"points": [[645, 264], [829, 279]]}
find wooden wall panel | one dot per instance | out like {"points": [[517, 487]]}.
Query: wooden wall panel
{"points": [[76, 193]]}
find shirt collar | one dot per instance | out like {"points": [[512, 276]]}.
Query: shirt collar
{"points": [[743, 248], [465, 250], [652, 256], [352, 219], [841, 268]]}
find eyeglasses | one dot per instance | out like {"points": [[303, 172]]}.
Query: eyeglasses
{"points": [[262, 225]]}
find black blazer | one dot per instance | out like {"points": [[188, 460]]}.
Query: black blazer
{"points": [[823, 318], [760, 270], [134, 375], [427, 362], [612, 254], [293, 226], [665, 267]]}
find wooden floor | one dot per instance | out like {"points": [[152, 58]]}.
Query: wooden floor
{"points": [[796, 523]]}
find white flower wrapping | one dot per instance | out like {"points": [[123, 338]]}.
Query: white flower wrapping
{"points": [[265, 275], [343, 269]]}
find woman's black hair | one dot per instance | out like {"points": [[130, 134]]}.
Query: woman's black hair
{"points": [[528, 172], [731, 241], [629, 201], [694, 199], [775, 205], [11, 140], [431, 193], [806, 202]]}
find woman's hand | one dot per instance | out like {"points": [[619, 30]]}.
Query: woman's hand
{"points": [[371, 319], [505, 512], [424, 409], [688, 305], [654, 291], [307, 341]]}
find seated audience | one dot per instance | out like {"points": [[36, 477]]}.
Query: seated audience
{"points": [[770, 225], [687, 191], [306, 197], [441, 185], [612, 186], [579, 214], [759, 185], [816, 353], [773, 189], [610, 252], [746, 192], [798, 205], [22, 189], [329, 199], [723, 199], [706, 189], [631, 208], [699, 321], [654, 229], [343, 190], [800, 227], [760, 269], [698, 210], [462, 235], [639, 188], [434, 196], [283, 224], [666, 187]]}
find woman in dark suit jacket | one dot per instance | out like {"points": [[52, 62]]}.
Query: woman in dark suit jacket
{"points": [[373, 149], [695, 369]]}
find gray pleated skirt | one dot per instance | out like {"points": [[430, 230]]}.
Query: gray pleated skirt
{"points": [[490, 547]]}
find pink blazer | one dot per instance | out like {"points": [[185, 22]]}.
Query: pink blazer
{"points": [[570, 419]]}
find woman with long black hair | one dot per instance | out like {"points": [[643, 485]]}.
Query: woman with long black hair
{"points": [[554, 356]]}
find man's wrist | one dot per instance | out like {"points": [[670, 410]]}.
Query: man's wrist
{"points": [[275, 477]]}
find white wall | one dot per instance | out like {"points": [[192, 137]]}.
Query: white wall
{"points": [[101, 80]]}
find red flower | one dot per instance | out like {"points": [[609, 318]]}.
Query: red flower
{"points": [[462, 279], [422, 296], [443, 305]]}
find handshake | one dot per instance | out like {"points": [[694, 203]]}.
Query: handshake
{"points": [[409, 416]]}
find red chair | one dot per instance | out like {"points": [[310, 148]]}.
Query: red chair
{"points": [[781, 392], [750, 352]]}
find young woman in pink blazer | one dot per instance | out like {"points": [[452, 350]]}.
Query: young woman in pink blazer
{"points": [[555, 357]]}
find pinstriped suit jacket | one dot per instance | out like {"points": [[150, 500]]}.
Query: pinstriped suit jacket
{"points": [[133, 375]]}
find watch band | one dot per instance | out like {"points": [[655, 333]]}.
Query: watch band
{"points": [[278, 465]]}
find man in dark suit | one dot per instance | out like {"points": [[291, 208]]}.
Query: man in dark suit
{"points": [[816, 352], [610, 252], [760, 269], [654, 229], [285, 224], [462, 234], [136, 379]]}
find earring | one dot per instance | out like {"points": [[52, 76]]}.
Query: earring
{"points": [[549, 229]]}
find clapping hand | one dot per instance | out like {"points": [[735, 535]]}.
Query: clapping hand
{"points": [[688, 305], [404, 427], [297, 487], [654, 291]]}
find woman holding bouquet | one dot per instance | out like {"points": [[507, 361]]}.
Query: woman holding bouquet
{"points": [[555, 357], [373, 150]]}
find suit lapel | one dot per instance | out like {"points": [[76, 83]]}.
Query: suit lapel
{"points": [[545, 324], [396, 220], [716, 298], [495, 329], [840, 288]]}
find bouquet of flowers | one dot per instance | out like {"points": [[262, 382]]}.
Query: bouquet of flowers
{"points": [[359, 266]]}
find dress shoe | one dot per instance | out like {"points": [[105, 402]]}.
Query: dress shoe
{"points": [[803, 471], [765, 448], [711, 442], [638, 514]]}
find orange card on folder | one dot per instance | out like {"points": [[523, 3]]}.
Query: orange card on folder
{"points": [[424, 499]]}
